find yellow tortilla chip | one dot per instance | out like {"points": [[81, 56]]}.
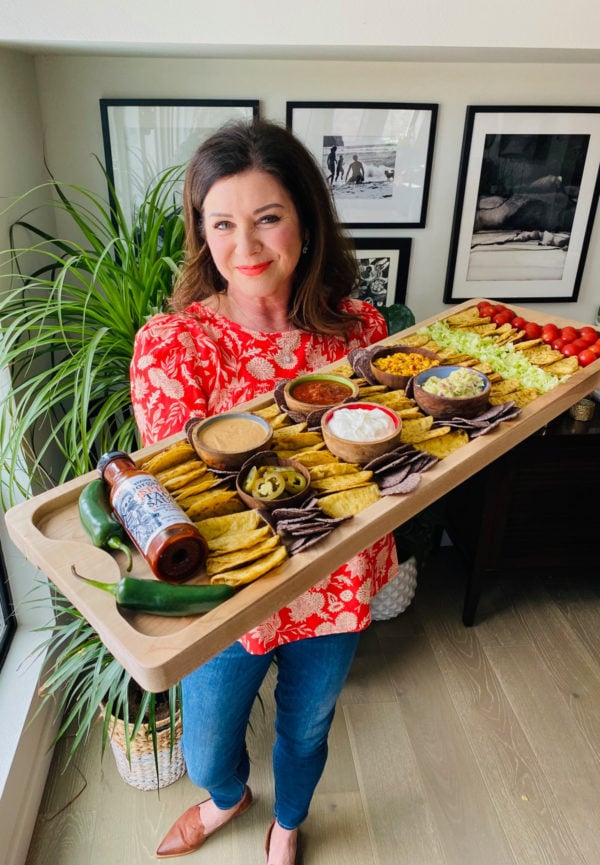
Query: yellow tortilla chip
{"points": [[291, 429], [507, 385], [564, 366], [484, 367], [434, 432], [214, 503], [349, 502], [330, 470], [267, 412], [370, 389], [442, 446], [394, 399], [228, 542], [480, 329], [344, 369], [542, 355], [293, 454], [213, 527], [249, 573], [412, 412], [176, 453], [216, 564], [470, 314], [417, 340], [296, 441], [187, 495], [178, 479], [524, 397], [527, 343], [413, 428], [342, 482], [318, 457]]}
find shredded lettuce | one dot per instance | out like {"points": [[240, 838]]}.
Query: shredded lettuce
{"points": [[502, 358]]}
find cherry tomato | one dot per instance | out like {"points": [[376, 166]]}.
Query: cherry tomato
{"points": [[549, 332], [532, 330], [568, 350], [588, 330], [579, 344], [586, 357], [486, 310], [569, 333], [502, 318], [558, 343], [588, 336], [518, 322], [595, 348]]}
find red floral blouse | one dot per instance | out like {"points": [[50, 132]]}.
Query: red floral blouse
{"points": [[200, 363]]}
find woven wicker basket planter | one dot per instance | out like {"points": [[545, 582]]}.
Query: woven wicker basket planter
{"points": [[396, 595], [140, 772]]}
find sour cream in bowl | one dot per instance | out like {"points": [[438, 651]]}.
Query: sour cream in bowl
{"points": [[356, 432]]}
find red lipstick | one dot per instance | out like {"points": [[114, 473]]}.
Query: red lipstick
{"points": [[253, 269]]}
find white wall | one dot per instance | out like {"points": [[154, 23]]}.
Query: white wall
{"points": [[22, 769], [70, 87], [389, 25]]}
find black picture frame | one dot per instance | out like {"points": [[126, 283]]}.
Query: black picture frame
{"points": [[144, 137], [392, 141], [384, 263], [526, 199]]}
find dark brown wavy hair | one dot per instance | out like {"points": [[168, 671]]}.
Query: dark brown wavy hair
{"points": [[325, 274]]}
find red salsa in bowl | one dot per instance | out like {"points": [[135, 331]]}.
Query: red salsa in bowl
{"points": [[320, 390]]}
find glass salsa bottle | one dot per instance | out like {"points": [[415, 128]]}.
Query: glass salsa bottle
{"points": [[164, 535]]}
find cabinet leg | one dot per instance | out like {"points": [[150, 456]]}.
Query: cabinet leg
{"points": [[471, 600]]}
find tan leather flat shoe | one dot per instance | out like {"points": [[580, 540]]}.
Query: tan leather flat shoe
{"points": [[187, 833]]}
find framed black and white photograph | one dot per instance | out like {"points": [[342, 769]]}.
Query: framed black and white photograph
{"points": [[383, 265], [376, 157], [145, 137], [525, 204]]}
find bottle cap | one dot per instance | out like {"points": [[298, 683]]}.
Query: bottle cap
{"points": [[108, 457]]}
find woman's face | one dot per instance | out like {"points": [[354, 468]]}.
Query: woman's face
{"points": [[253, 232]]}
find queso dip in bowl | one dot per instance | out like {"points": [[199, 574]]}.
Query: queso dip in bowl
{"points": [[227, 440]]}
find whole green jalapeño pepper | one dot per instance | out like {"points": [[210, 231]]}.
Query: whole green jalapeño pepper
{"points": [[162, 599], [99, 521]]}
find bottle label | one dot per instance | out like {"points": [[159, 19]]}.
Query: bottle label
{"points": [[146, 509]]}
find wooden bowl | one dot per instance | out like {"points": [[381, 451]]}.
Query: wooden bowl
{"points": [[361, 452], [227, 440], [346, 390], [270, 458], [393, 380], [445, 407]]}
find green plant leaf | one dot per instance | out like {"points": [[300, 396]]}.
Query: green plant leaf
{"points": [[70, 307]]}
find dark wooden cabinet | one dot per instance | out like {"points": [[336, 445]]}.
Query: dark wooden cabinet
{"points": [[532, 509]]}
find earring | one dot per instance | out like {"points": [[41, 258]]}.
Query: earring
{"points": [[305, 248]]}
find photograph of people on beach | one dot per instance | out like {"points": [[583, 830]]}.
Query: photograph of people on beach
{"points": [[376, 157]]}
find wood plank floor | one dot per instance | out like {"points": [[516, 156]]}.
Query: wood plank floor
{"points": [[451, 746]]}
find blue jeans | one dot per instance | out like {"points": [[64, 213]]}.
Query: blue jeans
{"points": [[218, 698]]}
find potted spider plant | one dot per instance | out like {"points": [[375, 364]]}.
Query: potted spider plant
{"points": [[86, 683], [70, 306], [70, 309]]}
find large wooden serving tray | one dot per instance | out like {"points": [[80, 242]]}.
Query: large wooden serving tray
{"points": [[158, 651]]}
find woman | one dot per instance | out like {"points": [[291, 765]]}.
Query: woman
{"points": [[263, 296]]}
